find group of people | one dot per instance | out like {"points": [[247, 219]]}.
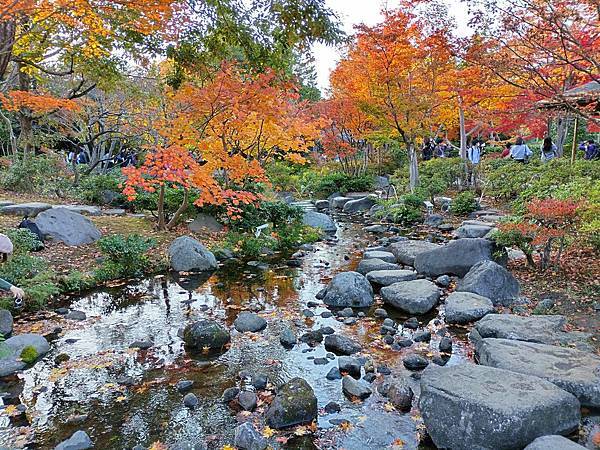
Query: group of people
{"points": [[433, 149], [122, 159]]}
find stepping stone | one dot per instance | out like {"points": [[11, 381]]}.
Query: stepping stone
{"points": [[413, 297], [465, 307], [370, 265], [406, 251], [117, 212], [86, 210], [472, 230], [339, 202], [573, 370], [467, 407], [359, 205], [553, 442], [388, 277], [355, 388], [25, 209], [540, 329], [384, 256]]}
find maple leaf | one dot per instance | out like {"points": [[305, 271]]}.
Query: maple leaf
{"points": [[301, 431], [268, 432], [346, 426], [397, 444]]}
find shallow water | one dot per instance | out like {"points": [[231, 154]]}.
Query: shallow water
{"points": [[123, 398]]}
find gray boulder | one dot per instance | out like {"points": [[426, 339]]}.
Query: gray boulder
{"points": [[541, 329], [373, 264], [349, 365], [287, 338], [465, 307], [86, 210], [467, 407], [6, 323], [187, 254], [388, 277], [78, 441], [319, 220], [360, 205], [472, 230], [206, 334], [204, 223], [491, 280], [31, 209], [406, 251], [553, 442], [454, 258], [322, 204], [349, 289], [294, 404], [248, 438], [382, 182], [354, 388], [247, 321], [573, 370], [376, 229], [17, 343], [67, 226], [10, 364], [341, 345], [384, 256], [434, 220], [339, 202], [413, 297]]}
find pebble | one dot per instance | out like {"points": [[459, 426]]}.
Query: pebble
{"points": [[247, 400], [387, 339], [446, 345], [380, 313], [334, 374], [404, 342], [422, 336], [370, 377], [350, 321], [326, 330], [346, 312], [415, 362], [326, 314], [190, 400], [412, 323], [184, 385], [308, 313], [384, 370], [259, 381], [321, 361], [332, 407], [230, 393]]}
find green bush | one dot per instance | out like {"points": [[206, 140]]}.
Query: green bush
{"points": [[29, 354], [406, 211], [291, 236], [285, 176], [148, 201], [93, 187], [22, 267], [24, 241], [40, 174], [326, 183], [279, 214], [76, 282], [464, 203], [125, 256], [247, 245]]}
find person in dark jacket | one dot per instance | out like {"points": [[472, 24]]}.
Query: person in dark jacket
{"points": [[427, 149], [6, 249], [590, 149]]}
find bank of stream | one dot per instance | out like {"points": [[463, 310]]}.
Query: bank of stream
{"points": [[122, 397]]}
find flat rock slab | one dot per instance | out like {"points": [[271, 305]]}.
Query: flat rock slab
{"points": [[467, 407], [406, 251], [573, 370], [339, 202], [25, 209], [553, 442], [205, 223], [86, 210], [414, 297], [388, 277], [472, 231], [541, 329], [465, 307], [384, 256], [370, 265]]}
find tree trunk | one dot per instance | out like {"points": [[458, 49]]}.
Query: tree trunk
{"points": [[562, 127], [161, 208], [463, 133], [25, 119], [413, 167], [7, 40], [180, 210]]}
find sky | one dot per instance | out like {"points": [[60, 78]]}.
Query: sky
{"points": [[354, 12]]}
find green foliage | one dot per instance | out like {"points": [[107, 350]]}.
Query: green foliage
{"points": [[22, 267], [248, 246], [148, 201], [39, 289], [285, 176], [76, 282], [406, 211], [324, 184], [39, 174], [125, 256], [93, 187], [279, 214], [24, 241], [464, 203], [29, 354], [292, 235]]}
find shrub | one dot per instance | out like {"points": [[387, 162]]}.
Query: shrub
{"points": [[76, 282], [406, 211], [29, 354], [40, 174], [22, 267], [464, 203], [125, 256], [24, 241], [279, 214], [324, 184], [285, 176], [248, 246], [92, 188], [291, 236]]}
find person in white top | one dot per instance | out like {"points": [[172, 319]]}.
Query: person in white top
{"points": [[549, 150], [520, 151], [474, 152]]}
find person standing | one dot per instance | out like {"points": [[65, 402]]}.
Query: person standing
{"points": [[474, 152], [549, 150], [427, 149], [6, 249], [520, 151]]}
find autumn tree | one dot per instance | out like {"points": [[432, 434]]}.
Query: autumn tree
{"points": [[392, 71]]}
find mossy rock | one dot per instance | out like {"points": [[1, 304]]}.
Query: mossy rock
{"points": [[294, 404], [29, 355], [206, 336]]}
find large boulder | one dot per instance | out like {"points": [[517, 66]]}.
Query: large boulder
{"points": [[406, 251], [467, 407], [31, 209], [465, 307], [491, 280], [473, 230], [541, 329], [387, 277], [349, 289], [294, 404], [6, 323], [341, 345], [573, 370], [206, 336], [455, 258], [553, 442], [413, 297], [10, 351], [67, 226], [187, 254], [78, 441], [205, 223], [372, 264], [360, 205], [380, 254], [339, 202], [319, 220]]}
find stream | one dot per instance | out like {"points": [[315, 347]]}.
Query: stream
{"points": [[122, 397]]}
